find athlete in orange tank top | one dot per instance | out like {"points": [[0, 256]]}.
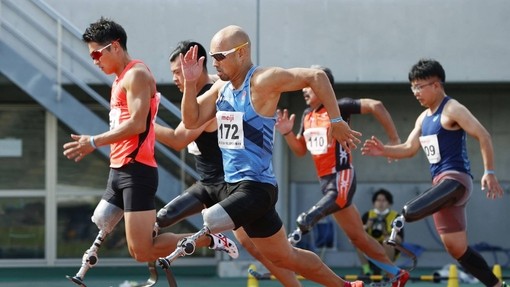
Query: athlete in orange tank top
{"points": [[140, 147]]}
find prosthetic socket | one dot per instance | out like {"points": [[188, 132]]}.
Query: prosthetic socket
{"points": [[178, 209], [445, 194]]}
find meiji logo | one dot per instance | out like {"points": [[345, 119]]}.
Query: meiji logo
{"points": [[228, 118]]}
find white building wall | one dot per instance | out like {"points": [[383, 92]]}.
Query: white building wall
{"points": [[362, 41]]}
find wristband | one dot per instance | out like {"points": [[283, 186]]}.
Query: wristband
{"points": [[337, 120], [489, 171], [92, 142], [287, 133]]}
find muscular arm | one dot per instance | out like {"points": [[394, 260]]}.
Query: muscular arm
{"points": [[179, 137], [409, 148], [197, 111], [138, 84], [461, 116], [458, 114], [269, 83], [382, 115]]}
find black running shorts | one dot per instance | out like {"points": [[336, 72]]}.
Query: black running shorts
{"points": [[251, 205], [132, 187]]}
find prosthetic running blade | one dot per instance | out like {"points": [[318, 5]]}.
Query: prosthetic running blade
{"points": [[405, 251]]}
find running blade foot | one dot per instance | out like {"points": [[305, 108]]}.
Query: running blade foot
{"points": [[76, 280]]}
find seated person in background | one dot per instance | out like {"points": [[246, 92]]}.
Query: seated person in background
{"points": [[377, 222]]}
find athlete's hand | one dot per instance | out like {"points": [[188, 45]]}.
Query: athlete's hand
{"points": [[284, 123], [373, 147], [191, 65], [344, 135], [79, 148], [491, 184]]}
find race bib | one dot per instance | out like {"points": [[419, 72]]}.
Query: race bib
{"points": [[193, 148], [316, 140], [230, 130], [114, 118], [430, 146]]}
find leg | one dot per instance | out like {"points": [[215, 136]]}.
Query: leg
{"points": [[308, 264], [285, 276], [349, 220], [139, 229], [445, 194], [365, 266], [106, 217], [451, 225]]}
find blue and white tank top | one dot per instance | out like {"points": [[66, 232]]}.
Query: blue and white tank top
{"points": [[246, 138], [445, 149]]}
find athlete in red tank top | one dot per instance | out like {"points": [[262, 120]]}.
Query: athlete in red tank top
{"points": [[139, 147]]}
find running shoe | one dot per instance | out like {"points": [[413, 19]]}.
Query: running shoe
{"points": [[357, 283], [222, 243], [402, 278]]}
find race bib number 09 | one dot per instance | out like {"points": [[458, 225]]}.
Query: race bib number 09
{"points": [[230, 130], [430, 146]]}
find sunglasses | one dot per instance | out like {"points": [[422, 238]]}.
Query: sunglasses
{"points": [[97, 54], [220, 56]]}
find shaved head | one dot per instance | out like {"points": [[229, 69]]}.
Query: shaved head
{"points": [[228, 38]]}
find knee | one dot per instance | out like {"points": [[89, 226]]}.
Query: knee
{"points": [[454, 249], [141, 255], [281, 261]]}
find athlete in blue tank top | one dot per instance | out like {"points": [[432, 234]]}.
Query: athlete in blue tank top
{"points": [[245, 137], [441, 131], [244, 103], [452, 153]]}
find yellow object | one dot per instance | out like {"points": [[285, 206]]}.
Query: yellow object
{"points": [[497, 271], [252, 281], [453, 276]]}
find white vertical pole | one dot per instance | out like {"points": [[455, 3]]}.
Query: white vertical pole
{"points": [[59, 60], [50, 238]]}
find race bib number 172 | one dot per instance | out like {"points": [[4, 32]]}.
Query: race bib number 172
{"points": [[230, 130]]}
